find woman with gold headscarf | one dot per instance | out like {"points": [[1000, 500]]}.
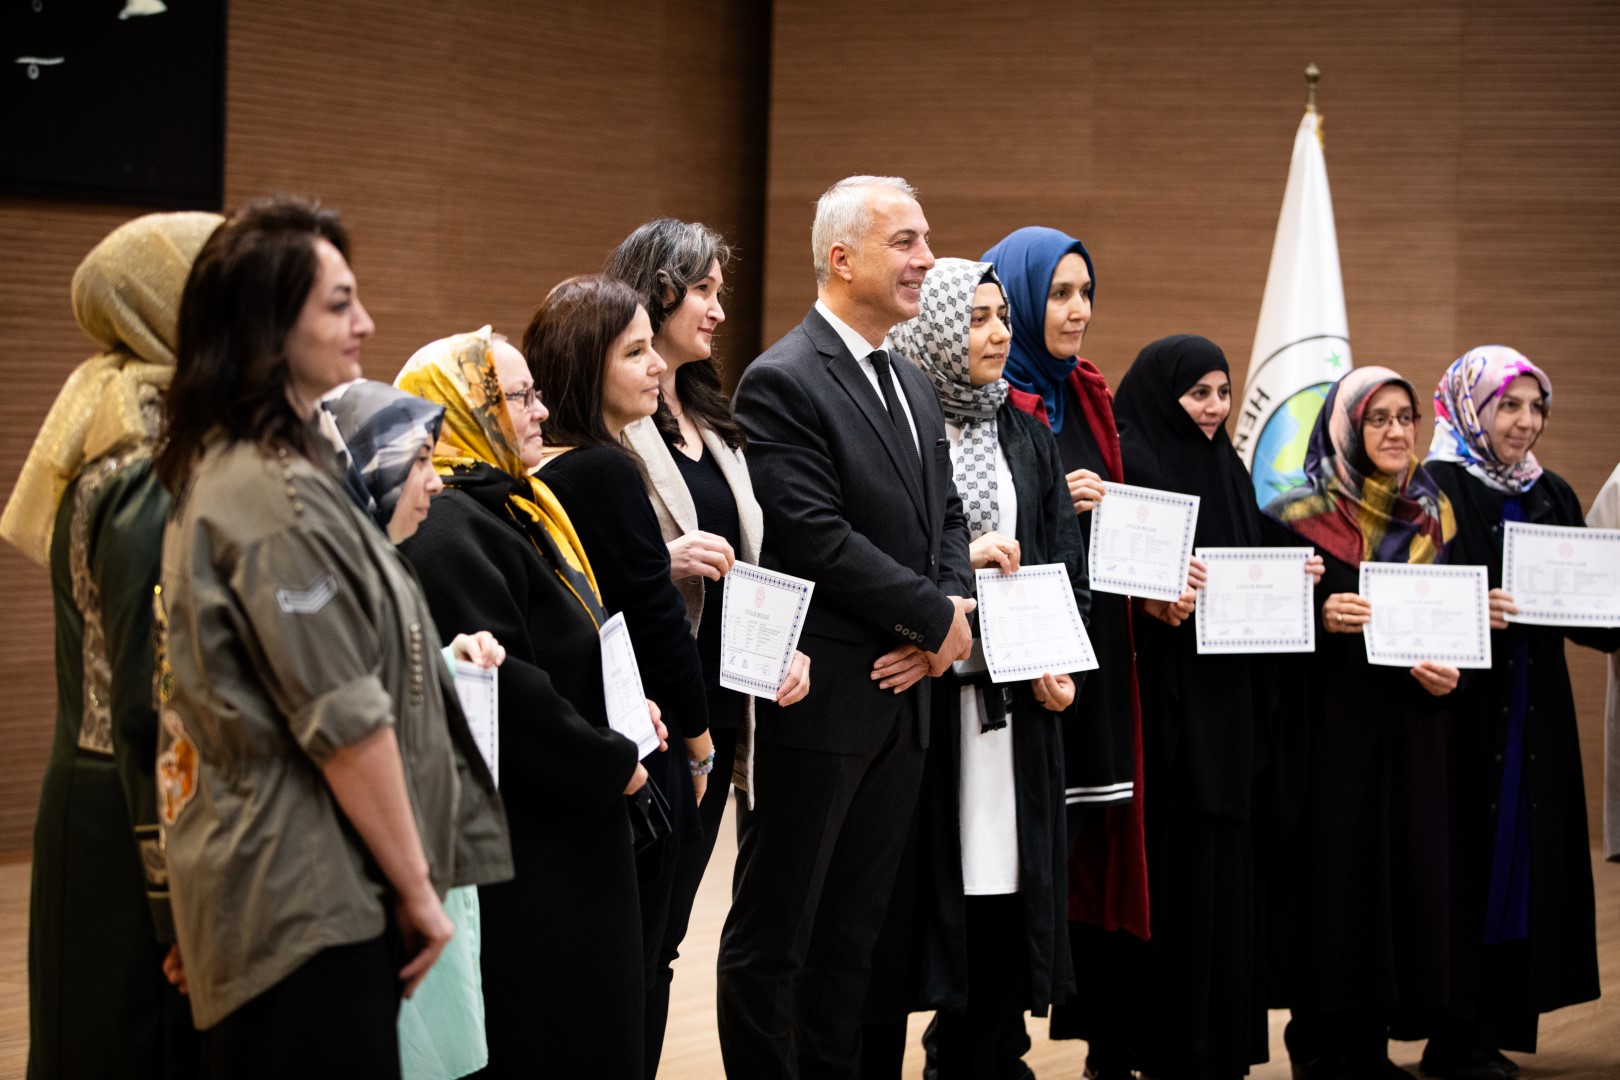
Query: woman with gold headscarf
{"points": [[88, 506], [562, 952]]}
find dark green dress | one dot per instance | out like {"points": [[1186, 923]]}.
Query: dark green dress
{"points": [[99, 926]]}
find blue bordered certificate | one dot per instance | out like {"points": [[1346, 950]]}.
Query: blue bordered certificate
{"points": [[1256, 600], [1424, 612], [1141, 540], [761, 616], [1029, 624], [1559, 575], [627, 711], [480, 694]]}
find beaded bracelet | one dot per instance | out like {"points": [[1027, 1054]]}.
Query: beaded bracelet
{"points": [[704, 767]]}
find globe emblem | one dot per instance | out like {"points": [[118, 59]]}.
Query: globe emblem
{"points": [[1279, 453]]}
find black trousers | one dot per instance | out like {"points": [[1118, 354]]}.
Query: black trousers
{"points": [[815, 868], [986, 1040], [336, 1017], [690, 863]]}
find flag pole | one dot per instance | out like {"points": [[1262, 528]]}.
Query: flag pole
{"points": [[1313, 75]]}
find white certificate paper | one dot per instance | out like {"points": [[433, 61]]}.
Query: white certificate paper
{"points": [[1562, 576], [761, 615], [479, 692], [1029, 624], [1256, 600], [1424, 612], [627, 711], [1141, 540]]}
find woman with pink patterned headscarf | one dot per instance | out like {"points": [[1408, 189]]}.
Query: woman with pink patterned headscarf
{"points": [[1524, 939]]}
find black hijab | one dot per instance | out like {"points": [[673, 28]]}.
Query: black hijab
{"points": [[1166, 449]]}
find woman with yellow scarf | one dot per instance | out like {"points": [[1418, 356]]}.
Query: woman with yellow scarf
{"points": [[562, 941]]}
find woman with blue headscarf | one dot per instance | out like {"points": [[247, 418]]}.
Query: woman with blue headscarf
{"points": [[1522, 907], [1050, 283]]}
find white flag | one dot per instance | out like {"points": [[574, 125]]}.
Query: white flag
{"points": [[1302, 344]]}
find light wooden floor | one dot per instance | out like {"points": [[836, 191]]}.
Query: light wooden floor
{"points": [[1578, 1043]]}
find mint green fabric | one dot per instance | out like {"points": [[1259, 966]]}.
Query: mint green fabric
{"points": [[441, 1026]]}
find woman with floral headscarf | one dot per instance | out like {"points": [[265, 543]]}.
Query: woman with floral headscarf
{"points": [[562, 941], [87, 505], [1522, 907], [1050, 283], [1360, 931], [978, 928]]}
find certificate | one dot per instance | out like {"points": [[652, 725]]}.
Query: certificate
{"points": [[627, 711], [1029, 624], [1425, 612], [1141, 540], [1256, 600], [761, 614], [479, 692], [1562, 576]]}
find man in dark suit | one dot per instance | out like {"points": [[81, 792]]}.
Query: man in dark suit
{"points": [[847, 450]]}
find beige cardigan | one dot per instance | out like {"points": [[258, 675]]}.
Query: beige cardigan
{"points": [[677, 516]]}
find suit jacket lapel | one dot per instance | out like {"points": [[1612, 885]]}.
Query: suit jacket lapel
{"points": [[921, 398], [846, 370]]}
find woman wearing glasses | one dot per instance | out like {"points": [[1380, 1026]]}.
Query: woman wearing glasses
{"points": [[1361, 924], [561, 956], [1522, 901]]}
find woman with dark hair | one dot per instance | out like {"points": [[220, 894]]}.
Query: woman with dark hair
{"points": [[1206, 732], [88, 506], [1360, 926], [562, 954], [317, 782], [978, 927], [1524, 933], [696, 477], [1050, 283]]}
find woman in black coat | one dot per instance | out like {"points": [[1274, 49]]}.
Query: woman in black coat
{"points": [[590, 350], [1206, 735], [979, 930], [1360, 922], [1523, 933], [562, 941]]}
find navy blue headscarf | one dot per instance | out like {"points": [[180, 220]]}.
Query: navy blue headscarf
{"points": [[1025, 260]]}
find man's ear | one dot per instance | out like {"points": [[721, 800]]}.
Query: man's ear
{"points": [[838, 261]]}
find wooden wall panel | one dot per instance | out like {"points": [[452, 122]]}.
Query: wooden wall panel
{"points": [[1471, 148], [479, 150]]}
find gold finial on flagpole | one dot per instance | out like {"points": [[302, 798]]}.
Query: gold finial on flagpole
{"points": [[1313, 75]]}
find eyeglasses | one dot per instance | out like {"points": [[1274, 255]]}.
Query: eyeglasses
{"points": [[1378, 421], [527, 397]]}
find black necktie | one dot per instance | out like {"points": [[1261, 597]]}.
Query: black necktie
{"points": [[897, 415]]}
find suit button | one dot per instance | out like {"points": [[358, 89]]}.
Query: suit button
{"points": [[930, 560], [900, 630]]}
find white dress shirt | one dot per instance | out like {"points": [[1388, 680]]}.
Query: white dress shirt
{"points": [[861, 350]]}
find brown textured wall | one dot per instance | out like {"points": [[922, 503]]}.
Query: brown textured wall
{"points": [[479, 151], [1472, 151]]}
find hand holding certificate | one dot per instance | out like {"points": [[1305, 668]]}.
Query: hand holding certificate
{"points": [[1425, 612], [1562, 575], [1141, 540], [1256, 600], [1029, 624], [761, 615], [627, 710]]}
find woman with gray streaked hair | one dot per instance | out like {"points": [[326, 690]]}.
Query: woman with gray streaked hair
{"points": [[697, 479]]}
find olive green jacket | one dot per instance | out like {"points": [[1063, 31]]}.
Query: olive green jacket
{"points": [[293, 630]]}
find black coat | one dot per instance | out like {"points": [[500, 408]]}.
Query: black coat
{"points": [[921, 961], [1357, 920], [842, 509], [562, 940], [1562, 960], [602, 489]]}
